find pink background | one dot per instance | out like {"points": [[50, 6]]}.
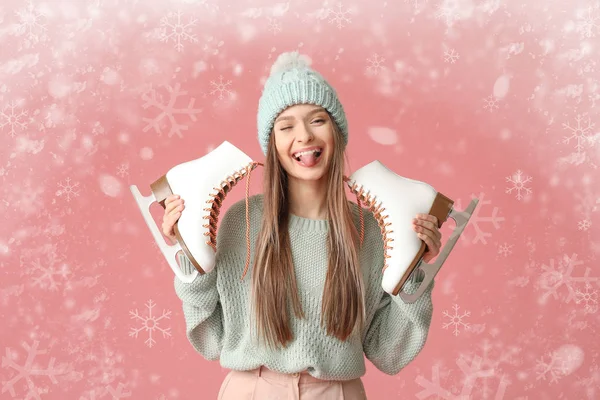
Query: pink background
{"points": [[494, 99]]}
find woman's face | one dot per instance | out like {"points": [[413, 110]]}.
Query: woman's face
{"points": [[304, 126]]}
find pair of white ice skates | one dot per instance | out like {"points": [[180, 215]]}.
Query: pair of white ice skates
{"points": [[393, 199]]}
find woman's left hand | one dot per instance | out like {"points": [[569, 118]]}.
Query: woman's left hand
{"points": [[426, 226]]}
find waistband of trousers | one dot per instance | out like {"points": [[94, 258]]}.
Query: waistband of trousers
{"points": [[304, 376]]}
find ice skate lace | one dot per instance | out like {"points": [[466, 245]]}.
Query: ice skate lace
{"points": [[376, 209], [219, 195], [216, 201]]}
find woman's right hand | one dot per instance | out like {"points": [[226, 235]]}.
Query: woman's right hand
{"points": [[173, 208]]}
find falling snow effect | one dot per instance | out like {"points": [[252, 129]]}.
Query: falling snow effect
{"points": [[479, 98]]}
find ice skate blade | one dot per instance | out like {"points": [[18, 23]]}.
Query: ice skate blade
{"points": [[169, 251], [461, 219]]}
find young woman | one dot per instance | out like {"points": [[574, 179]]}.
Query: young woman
{"points": [[314, 306]]}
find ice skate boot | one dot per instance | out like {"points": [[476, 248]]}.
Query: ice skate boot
{"points": [[395, 201], [203, 183]]}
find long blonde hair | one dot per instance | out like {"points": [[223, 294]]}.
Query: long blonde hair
{"points": [[273, 277]]}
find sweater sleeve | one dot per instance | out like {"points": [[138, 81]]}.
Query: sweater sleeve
{"points": [[201, 303], [398, 330], [201, 309]]}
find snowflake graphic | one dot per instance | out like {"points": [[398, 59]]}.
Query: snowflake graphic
{"points": [[46, 273], [416, 4], [176, 30], [491, 103], [553, 278], [28, 371], [582, 134], [221, 87], [448, 10], [375, 65], [492, 356], [592, 382], [584, 225], [589, 21], [457, 320], [117, 393], [505, 249], [339, 17], [589, 298], [274, 25], [123, 170], [555, 367], [477, 220], [519, 183], [150, 323], [12, 119], [29, 22], [67, 190], [450, 55], [168, 110], [472, 372]]}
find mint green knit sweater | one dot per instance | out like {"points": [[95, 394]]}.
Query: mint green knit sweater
{"points": [[216, 305]]}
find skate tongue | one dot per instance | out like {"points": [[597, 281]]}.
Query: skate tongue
{"points": [[309, 159]]}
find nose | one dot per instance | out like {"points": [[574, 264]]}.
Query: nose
{"points": [[305, 133]]}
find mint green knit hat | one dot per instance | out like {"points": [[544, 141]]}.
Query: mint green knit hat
{"points": [[291, 82]]}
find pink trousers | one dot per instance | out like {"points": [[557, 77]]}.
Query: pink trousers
{"points": [[263, 383]]}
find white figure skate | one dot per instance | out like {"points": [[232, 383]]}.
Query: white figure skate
{"points": [[402, 199], [218, 171]]}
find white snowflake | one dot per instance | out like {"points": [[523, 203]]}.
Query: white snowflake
{"points": [[584, 225], [582, 133], [553, 278], [168, 110], [589, 21], [589, 298], [456, 320], [556, 367], [123, 170], [29, 22], [492, 356], [67, 189], [416, 4], [519, 182], [448, 10], [12, 119], [150, 323], [28, 371], [375, 64], [491, 103], [592, 382], [505, 249], [339, 16], [176, 30], [47, 272], [477, 220], [471, 373], [274, 25], [118, 392], [221, 87], [450, 55]]}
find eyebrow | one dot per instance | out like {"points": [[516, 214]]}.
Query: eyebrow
{"points": [[290, 117]]}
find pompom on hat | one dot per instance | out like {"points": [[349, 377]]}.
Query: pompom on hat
{"points": [[292, 81]]}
